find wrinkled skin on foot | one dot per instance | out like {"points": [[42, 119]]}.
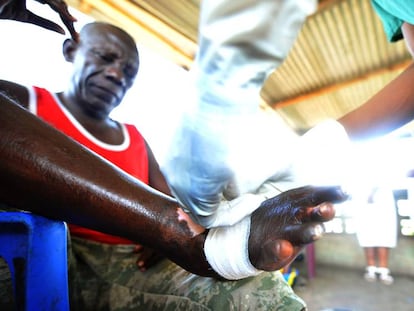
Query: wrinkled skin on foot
{"points": [[16, 10], [282, 226]]}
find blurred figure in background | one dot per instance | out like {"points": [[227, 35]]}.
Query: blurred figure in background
{"points": [[377, 232]]}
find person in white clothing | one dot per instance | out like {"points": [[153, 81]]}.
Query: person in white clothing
{"points": [[377, 232]]}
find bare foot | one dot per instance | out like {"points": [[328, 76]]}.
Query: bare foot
{"points": [[282, 226]]}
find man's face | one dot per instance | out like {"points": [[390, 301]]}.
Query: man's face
{"points": [[105, 66]]}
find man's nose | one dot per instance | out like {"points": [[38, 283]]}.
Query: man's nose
{"points": [[116, 73]]}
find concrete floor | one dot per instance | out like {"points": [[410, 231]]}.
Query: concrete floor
{"points": [[345, 289]]}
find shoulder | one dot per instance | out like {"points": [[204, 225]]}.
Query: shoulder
{"points": [[133, 130]]}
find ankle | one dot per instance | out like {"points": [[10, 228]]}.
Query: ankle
{"points": [[370, 274], [383, 270]]}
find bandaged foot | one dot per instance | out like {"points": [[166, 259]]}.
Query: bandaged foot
{"points": [[275, 233]]}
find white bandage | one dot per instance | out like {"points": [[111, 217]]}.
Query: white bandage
{"points": [[226, 246], [227, 252], [231, 212]]}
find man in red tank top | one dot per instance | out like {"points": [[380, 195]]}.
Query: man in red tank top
{"points": [[91, 192]]}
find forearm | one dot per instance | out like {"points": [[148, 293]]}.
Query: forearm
{"points": [[386, 111], [47, 173]]}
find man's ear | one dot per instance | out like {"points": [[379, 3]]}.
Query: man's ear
{"points": [[69, 48]]}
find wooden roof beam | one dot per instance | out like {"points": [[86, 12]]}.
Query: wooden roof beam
{"points": [[338, 86]]}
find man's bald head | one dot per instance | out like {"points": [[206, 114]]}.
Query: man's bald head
{"points": [[101, 28]]}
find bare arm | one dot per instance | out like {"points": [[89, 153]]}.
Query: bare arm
{"points": [[63, 180], [390, 108], [147, 257], [15, 91]]}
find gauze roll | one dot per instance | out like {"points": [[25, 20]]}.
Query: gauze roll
{"points": [[240, 43]]}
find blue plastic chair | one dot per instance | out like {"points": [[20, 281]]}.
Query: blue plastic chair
{"points": [[35, 249]]}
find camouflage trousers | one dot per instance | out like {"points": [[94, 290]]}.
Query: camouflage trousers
{"points": [[105, 277]]}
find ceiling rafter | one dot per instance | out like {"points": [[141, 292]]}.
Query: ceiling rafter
{"points": [[327, 89]]}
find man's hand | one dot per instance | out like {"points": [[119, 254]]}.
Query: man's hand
{"points": [[16, 10], [282, 226]]}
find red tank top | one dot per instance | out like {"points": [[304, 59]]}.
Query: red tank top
{"points": [[131, 156]]}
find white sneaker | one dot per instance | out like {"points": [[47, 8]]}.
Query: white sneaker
{"points": [[385, 276], [370, 274]]}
